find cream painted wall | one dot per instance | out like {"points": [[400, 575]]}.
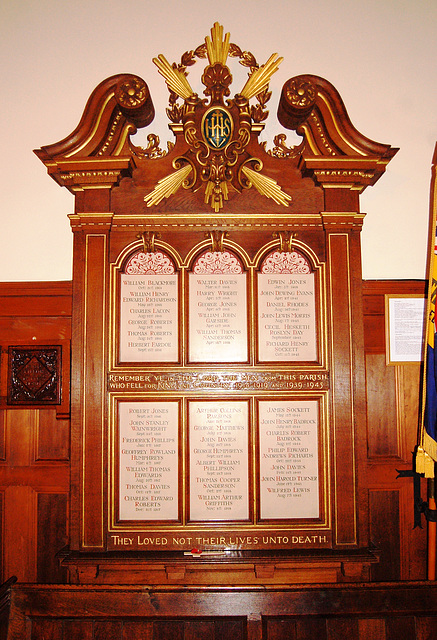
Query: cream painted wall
{"points": [[380, 55]]}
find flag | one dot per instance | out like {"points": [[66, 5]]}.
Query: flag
{"points": [[426, 452]]}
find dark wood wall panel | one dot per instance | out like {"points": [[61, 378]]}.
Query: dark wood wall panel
{"points": [[426, 627], [20, 533], [371, 629], [401, 628], [386, 611], [279, 629], [410, 382], [82, 629], [52, 519], [137, 630], [2, 437], [385, 533], [53, 437], [341, 628], [382, 432], [107, 630]]}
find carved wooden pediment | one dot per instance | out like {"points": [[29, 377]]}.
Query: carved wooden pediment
{"points": [[216, 156]]}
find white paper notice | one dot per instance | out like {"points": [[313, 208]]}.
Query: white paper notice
{"points": [[289, 470], [286, 317], [218, 318], [148, 446], [219, 459], [407, 321], [149, 318]]}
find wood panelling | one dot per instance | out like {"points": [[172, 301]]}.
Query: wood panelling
{"points": [[384, 509], [34, 442], [53, 437], [20, 533], [2, 436], [373, 611], [403, 627], [393, 402], [52, 519], [34, 450], [426, 627], [382, 432]]}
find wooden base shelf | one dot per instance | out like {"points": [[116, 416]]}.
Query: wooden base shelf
{"points": [[228, 568]]}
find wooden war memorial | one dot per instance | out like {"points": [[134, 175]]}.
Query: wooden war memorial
{"points": [[218, 406]]}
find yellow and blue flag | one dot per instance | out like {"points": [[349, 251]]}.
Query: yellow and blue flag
{"points": [[426, 453]]}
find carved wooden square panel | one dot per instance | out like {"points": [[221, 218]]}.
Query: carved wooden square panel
{"points": [[34, 375]]}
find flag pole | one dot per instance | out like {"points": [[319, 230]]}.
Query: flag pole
{"points": [[432, 531]]}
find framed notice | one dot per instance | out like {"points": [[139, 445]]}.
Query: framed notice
{"points": [[148, 460], [404, 323], [286, 317], [218, 317], [288, 459], [149, 318], [219, 460]]}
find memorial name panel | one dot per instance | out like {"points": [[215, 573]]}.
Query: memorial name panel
{"points": [[148, 460], [219, 460], [289, 461], [286, 318], [149, 318], [217, 318]]}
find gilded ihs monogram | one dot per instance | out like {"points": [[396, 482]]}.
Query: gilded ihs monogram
{"points": [[217, 131]]}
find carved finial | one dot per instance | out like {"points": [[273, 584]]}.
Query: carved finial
{"points": [[148, 238], [285, 240], [217, 238]]}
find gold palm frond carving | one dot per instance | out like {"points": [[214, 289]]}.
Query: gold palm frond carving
{"points": [[168, 186], [260, 78], [175, 79], [266, 186], [217, 48]]}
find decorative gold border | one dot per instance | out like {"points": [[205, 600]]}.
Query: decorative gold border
{"points": [[252, 395], [323, 523], [103, 388], [229, 138], [351, 383]]}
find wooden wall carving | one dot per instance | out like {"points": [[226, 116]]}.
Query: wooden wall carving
{"points": [[34, 375]]}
